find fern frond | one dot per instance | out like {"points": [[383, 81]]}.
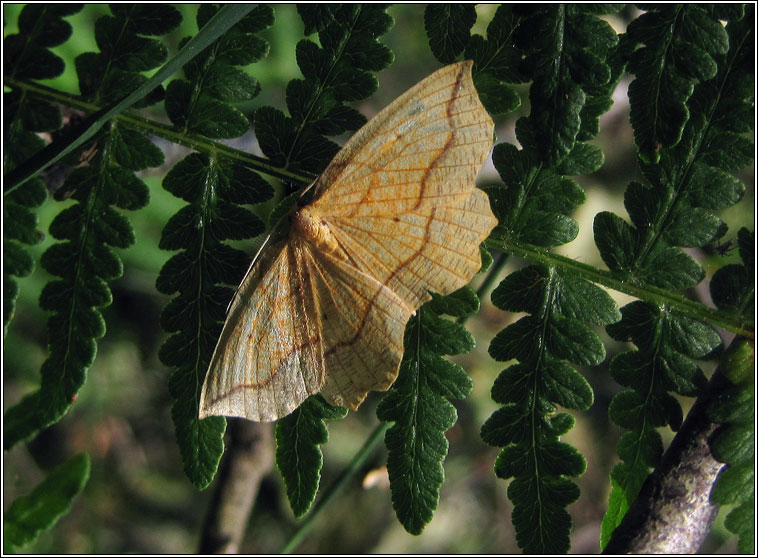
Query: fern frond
{"points": [[448, 27], [418, 405], [85, 262], [497, 62], [733, 443], [337, 72], [214, 188], [27, 55], [573, 75], [40, 510], [571, 68], [681, 42], [298, 456]]}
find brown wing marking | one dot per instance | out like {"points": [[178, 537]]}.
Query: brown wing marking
{"points": [[431, 141], [362, 324], [415, 253]]}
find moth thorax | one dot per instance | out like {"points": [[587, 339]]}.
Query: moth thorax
{"points": [[314, 230]]}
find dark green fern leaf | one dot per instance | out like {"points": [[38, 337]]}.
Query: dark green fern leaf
{"points": [[27, 56], [85, 261], [533, 203], [145, 91], [570, 66], [681, 43], [448, 27], [201, 104], [317, 16], [40, 510], [540, 518], [40, 27], [734, 442], [733, 286], [204, 266], [113, 73], [298, 456], [668, 345], [497, 62], [337, 72], [206, 270], [543, 342], [418, 405]]}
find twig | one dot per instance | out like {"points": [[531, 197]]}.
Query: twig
{"points": [[249, 456]]}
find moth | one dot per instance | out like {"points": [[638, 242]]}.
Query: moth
{"points": [[395, 216]]}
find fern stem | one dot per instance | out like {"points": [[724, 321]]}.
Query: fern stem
{"points": [[164, 131], [690, 308], [204, 145], [225, 18], [494, 272], [358, 459]]}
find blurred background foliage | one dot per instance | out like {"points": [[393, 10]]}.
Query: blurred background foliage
{"points": [[138, 500]]}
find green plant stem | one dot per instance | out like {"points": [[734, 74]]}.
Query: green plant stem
{"points": [[500, 259], [348, 473], [649, 293], [497, 266], [191, 141]]}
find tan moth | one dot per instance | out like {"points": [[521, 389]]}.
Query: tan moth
{"points": [[395, 215]]}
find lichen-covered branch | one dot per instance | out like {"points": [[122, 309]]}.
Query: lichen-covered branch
{"points": [[673, 513]]}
